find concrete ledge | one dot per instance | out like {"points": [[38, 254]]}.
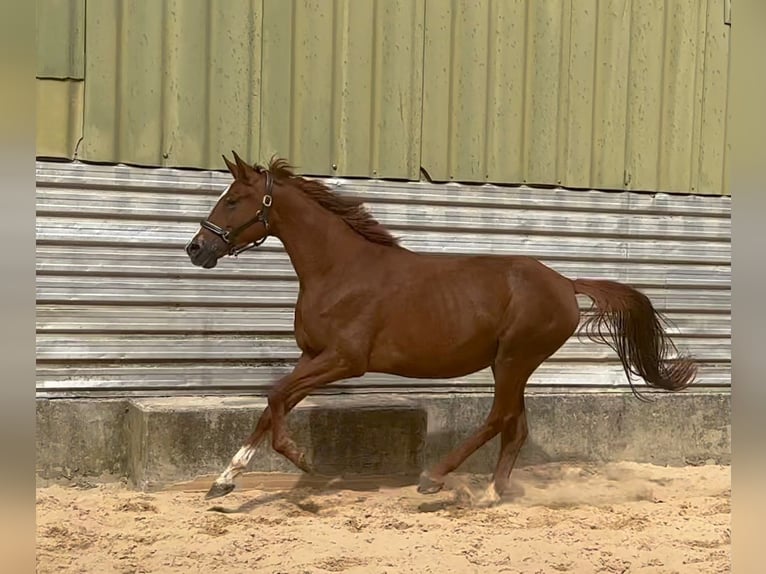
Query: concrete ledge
{"points": [[177, 439], [81, 438], [673, 430], [158, 441]]}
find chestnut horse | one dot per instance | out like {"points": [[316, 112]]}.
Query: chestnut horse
{"points": [[366, 304]]}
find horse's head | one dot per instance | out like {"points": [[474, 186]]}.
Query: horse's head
{"points": [[240, 218]]}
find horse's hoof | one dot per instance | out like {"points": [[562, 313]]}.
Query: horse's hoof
{"points": [[427, 485], [304, 464], [218, 489], [491, 497]]}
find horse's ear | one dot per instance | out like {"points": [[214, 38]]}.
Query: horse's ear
{"points": [[242, 168], [231, 166]]}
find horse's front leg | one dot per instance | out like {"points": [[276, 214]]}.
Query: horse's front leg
{"points": [[224, 484], [324, 369], [310, 373]]}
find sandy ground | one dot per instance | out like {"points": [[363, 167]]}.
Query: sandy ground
{"points": [[557, 518]]}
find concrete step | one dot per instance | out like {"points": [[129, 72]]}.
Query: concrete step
{"points": [[175, 439]]}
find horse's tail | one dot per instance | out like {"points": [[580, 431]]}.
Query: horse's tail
{"points": [[625, 319]]}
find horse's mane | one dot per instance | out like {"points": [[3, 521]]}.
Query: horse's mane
{"points": [[351, 210]]}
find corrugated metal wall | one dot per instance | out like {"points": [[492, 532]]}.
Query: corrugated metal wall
{"points": [[121, 310], [342, 85], [174, 82], [60, 39], [60, 75], [58, 117], [179, 82], [605, 94]]}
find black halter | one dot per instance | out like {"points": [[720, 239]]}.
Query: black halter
{"points": [[261, 216]]}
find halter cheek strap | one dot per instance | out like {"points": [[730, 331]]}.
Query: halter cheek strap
{"points": [[261, 216]]}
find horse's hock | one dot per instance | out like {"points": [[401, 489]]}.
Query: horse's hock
{"points": [[156, 442]]}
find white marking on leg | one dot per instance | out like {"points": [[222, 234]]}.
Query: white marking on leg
{"points": [[490, 496], [237, 465]]}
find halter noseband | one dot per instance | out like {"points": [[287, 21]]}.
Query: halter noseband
{"points": [[261, 216]]}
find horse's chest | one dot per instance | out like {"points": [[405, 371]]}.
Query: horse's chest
{"points": [[311, 330], [322, 318]]}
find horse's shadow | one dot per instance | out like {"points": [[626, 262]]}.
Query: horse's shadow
{"points": [[551, 484], [309, 485], [459, 492]]}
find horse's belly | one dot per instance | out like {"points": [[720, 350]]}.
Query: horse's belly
{"points": [[433, 355]]}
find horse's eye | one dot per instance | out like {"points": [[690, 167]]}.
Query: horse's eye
{"points": [[231, 201]]}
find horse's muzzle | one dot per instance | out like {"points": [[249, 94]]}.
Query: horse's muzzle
{"points": [[201, 255]]}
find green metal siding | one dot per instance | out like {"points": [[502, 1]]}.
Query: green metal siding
{"points": [[607, 94], [59, 117], [604, 94], [172, 83], [60, 39], [342, 86], [181, 82]]}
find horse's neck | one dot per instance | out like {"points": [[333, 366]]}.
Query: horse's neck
{"points": [[316, 240]]}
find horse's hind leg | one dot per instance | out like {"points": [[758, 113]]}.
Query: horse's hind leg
{"points": [[432, 481], [512, 439], [511, 374], [507, 405], [507, 417]]}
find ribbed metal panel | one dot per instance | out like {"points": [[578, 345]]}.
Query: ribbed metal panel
{"points": [[604, 94], [60, 35], [121, 311], [336, 86], [598, 94], [342, 84], [172, 82], [59, 117], [60, 32]]}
